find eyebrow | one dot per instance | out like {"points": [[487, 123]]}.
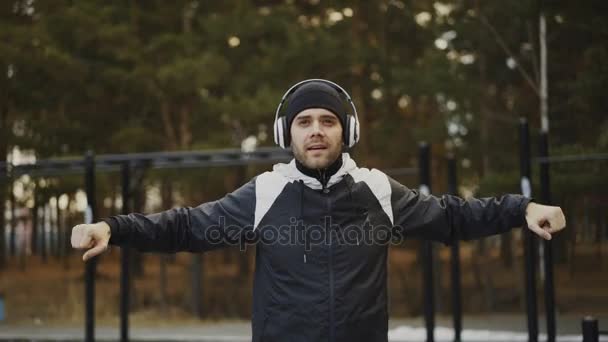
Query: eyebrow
{"points": [[322, 116]]}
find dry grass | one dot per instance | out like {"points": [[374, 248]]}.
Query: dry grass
{"points": [[52, 293]]}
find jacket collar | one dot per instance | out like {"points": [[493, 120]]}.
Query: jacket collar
{"points": [[291, 172], [323, 175]]}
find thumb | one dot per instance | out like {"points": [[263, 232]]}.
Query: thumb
{"points": [[98, 249], [539, 231]]}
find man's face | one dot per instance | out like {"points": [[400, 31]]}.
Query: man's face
{"points": [[316, 137]]}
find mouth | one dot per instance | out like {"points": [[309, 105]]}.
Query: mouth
{"points": [[317, 147]]}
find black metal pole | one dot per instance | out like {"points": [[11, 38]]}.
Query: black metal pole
{"points": [[57, 236], [428, 285], [35, 220], [590, 329], [91, 264], [12, 236], [197, 284], [42, 231], [530, 245], [455, 259], [124, 257], [545, 196], [2, 228], [6, 187]]}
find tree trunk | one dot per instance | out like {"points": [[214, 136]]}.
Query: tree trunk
{"points": [[185, 130], [359, 72], [168, 125], [484, 122]]}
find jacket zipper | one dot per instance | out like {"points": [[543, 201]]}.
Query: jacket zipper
{"points": [[332, 328], [332, 324]]}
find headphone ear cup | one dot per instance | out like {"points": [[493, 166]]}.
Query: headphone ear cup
{"points": [[275, 134], [346, 133], [281, 136], [275, 130], [351, 134], [286, 133], [278, 132], [357, 130]]}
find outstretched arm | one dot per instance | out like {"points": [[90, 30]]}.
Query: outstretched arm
{"points": [[448, 218], [208, 226]]}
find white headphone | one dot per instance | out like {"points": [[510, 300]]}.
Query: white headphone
{"points": [[281, 131]]}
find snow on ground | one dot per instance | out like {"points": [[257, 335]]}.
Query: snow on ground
{"points": [[416, 334]]}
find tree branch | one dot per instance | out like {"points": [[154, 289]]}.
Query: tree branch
{"points": [[504, 46]]}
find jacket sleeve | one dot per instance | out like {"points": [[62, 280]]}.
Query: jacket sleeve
{"points": [[448, 218], [211, 225]]}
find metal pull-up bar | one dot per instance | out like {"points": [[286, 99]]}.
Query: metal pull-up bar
{"points": [[155, 160]]}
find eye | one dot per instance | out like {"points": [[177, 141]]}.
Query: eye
{"points": [[303, 122], [328, 122]]}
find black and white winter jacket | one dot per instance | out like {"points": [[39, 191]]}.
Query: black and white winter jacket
{"points": [[321, 270]]}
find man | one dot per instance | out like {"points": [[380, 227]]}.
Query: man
{"points": [[321, 226]]}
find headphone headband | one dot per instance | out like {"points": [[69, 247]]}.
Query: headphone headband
{"points": [[353, 135]]}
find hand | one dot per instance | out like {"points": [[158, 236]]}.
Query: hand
{"points": [[94, 237], [544, 220]]}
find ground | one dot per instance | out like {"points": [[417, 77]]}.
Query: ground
{"points": [[52, 293]]}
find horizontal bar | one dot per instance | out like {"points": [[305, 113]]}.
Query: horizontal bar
{"points": [[47, 172], [405, 171], [572, 158], [157, 160]]}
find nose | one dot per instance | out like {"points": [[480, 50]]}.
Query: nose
{"points": [[316, 128]]}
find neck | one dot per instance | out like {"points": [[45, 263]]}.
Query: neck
{"points": [[324, 174]]}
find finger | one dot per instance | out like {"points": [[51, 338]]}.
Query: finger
{"points": [[100, 248], [546, 226], [76, 236], [557, 222], [85, 239], [80, 238], [552, 221], [539, 231]]}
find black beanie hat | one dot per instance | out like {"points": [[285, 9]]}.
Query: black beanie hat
{"points": [[315, 95]]}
